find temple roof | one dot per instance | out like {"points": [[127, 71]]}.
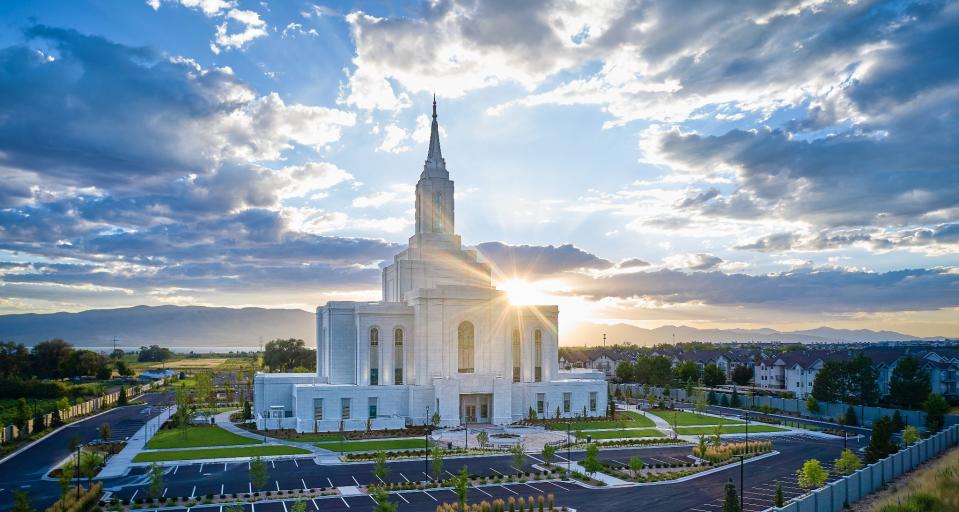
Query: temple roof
{"points": [[435, 166]]}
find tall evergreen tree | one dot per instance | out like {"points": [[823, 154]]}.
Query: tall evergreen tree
{"points": [[880, 441], [730, 499], [936, 408], [909, 384]]}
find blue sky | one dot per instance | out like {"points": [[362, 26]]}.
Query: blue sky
{"points": [[729, 164]]}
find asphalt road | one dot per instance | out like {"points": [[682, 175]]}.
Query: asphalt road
{"points": [[701, 494], [24, 470]]}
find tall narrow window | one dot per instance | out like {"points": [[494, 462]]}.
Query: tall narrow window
{"points": [[345, 408], [398, 356], [374, 356], [567, 402], [438, 211], [372, 403], [592, 401], [540, 404], [317, 409], [517, 356], [538, 355], [465, 343]]}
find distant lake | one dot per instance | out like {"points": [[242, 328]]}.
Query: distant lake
{"points": [[176, 350]]}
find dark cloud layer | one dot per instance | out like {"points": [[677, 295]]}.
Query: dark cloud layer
{"points": [[529, 260]]}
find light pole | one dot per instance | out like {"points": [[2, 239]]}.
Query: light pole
{"points": [[567, 450], [426, 438], [78, 472], [742, 466]]}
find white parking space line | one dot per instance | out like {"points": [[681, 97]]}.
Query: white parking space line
{"points": [[330, 481], [251, 487], [380, 479], [272, 463], [534, 458], [135, 491], [297, 463], [697, 509], [176, 468], [497, 472], [510, 490], [344, 502], [617, 462], [221, 488], [164, 493], [400, 496], [557, 485], [315, 505], [374, 499], [193, 492], [201, 467], [277, 484], [517, 470], [482, 491], [404, 477], [427, 476], [531, 487], [304, 484], [224, 466], [284, 506], [355, 481], [450, 474], [430, 495]]}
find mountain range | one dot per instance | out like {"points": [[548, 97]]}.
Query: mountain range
{"points": [[217, 327]]}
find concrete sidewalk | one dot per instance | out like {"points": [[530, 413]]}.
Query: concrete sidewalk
{"points": [[222, 420], [119, 464]]}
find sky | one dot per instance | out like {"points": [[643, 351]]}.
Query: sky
{"points": [[740, 164]]}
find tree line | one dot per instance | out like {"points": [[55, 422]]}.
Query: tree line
{"points": [[658, 371], [54, 359], [289, 355]]}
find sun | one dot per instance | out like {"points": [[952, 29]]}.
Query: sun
{"points": [[524, 293]]}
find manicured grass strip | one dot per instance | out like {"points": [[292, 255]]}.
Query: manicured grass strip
{"points": [[619, 434], [219, 453], [316, 438], [196, 437], [684, 418], [728, 429], [364, 446], [627, 419]]}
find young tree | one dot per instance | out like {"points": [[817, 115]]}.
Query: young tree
{"points": [[56, 421], [65, 481], [936, 408], [635, 464], [897, 422], [909, 384], [21, 502], [482, 438], [724, 400], [812, 405], [549, 453], [742, 375], [203, 388], [717, 435], [258, 473], [105, 432], [910, 435], [591, 462], [300, 504], [689, 389], [734, 401], [880, 442], [437, 462], [701, 402], [461, 486], [687, 371], [122, 397], [380, 469], [851, 419], [89, 462], [23, 414], [847, 462], [730, 498], [778, 498], [624, 372], [155, 474], [702, 446], [381, 497], [247, 410], [518, 451], [812, 475]]}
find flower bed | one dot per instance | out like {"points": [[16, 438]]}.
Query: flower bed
{"points": [[415, 454], [144, 502], [639, 442], [474, 480]]}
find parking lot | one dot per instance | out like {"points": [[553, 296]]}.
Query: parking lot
{"points": [[702, 494]]}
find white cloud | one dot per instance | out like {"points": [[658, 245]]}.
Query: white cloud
{"points": [[395, 193], [251, 27], [393, 138]]}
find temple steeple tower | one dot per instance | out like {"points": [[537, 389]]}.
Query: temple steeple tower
{"points": [[434, 190]]}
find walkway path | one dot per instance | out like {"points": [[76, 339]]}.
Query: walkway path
{"points": [[120, 463], [222, 420]]}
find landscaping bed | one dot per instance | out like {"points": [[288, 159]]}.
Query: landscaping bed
{"points": [[626, 419], [217, 453], [352, 435], [714, 456], [386, 444], [644, 441], [146, 502], [196, 436]]}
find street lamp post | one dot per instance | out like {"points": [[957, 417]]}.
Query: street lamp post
{"points": [[426, 437], [742, 469], [78, 472], [567, 450]]}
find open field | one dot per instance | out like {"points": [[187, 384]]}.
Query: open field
{"points": [[685, 418], [727, 429], [619, 434], [195, 437], [364, 446], [217, 453], [628, 419]]}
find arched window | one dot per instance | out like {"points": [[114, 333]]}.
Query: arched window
{"points": [[438, 211], [538, 355], [374, 356], [398, 356], [517, 356], [465, 337]]}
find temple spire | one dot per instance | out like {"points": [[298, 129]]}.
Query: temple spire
{"points": [[435, 166]]}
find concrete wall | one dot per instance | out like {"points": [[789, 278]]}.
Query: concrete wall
{"points": [[872, 477]]}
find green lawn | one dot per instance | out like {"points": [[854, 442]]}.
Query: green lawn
{"points": [[618, 434], [364, 446], [315, 438], [218, 453], [196, 437], [684, 418], [729, 429], [628, 419]]}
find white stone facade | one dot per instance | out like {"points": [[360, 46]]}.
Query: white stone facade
{"points": [[442, 340]]}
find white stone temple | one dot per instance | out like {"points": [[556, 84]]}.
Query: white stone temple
{"points": [[443, 339]]}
